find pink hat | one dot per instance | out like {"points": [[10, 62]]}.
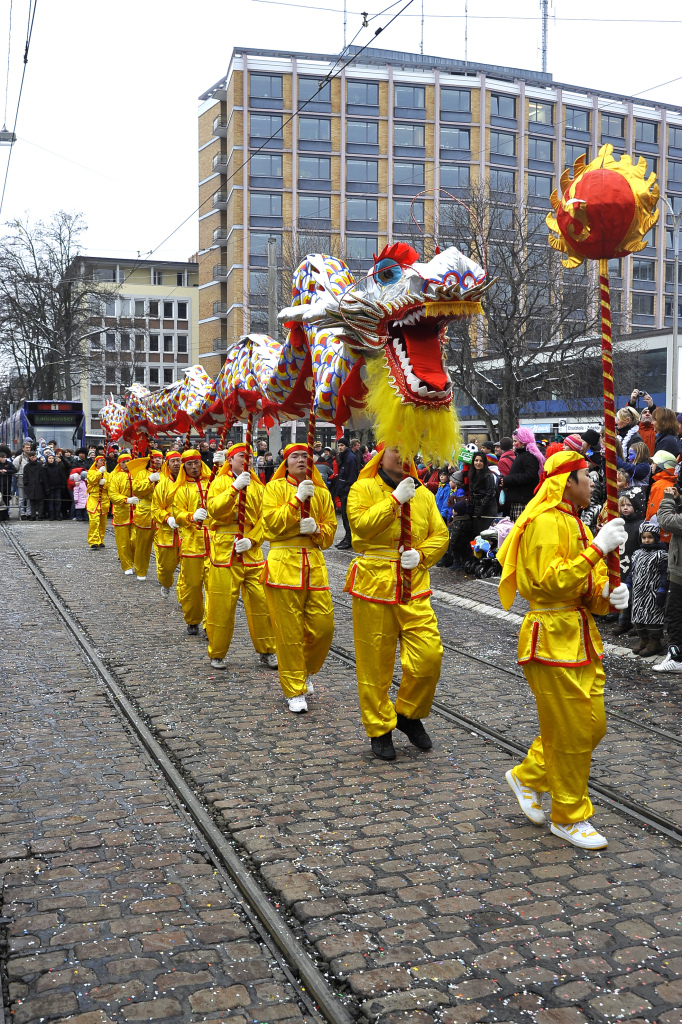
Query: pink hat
{"points": [[573, 442]]}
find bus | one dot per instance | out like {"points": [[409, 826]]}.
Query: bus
{"points": [[63, 422]]}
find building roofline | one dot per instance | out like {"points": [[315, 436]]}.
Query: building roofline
{"points": [[108, 260], [400, 58]]}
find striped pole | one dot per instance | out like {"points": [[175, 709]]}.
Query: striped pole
{"points": [[241, 500], [609, 415], [305, 510], [406, 543]]}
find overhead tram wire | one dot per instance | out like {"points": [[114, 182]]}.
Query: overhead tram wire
{"points": [[29, 33], [485, 17]]}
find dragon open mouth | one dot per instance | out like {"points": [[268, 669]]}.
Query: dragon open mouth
{"points": [[414, 352]]}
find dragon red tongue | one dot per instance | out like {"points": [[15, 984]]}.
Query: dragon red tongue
{"points": [[422, 345]]}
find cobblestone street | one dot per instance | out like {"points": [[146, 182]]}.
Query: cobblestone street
{"points": [[418, 885]]}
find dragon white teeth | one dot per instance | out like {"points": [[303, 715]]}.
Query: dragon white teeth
{"points": [[413, 382], [423, 391]]}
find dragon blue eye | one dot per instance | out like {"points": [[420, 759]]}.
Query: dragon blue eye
{"points": [[388, 271]]}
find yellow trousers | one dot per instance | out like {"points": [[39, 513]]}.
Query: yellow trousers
{"points": [[377, 628], [143, 549], [224, 586], [97, 527], [125, 545], [190, 590], [570, 705], [166, 563], [303, 623]]}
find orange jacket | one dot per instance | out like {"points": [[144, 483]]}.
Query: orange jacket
{"points": [[664, 478], [647, 432]]}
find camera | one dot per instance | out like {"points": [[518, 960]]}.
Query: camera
{"points": [[641, 394]]}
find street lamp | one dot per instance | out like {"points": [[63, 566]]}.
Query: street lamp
{"points": [[676, 247]]}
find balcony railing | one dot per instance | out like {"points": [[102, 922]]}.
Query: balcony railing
{"points": [[220, 273], [220, 161], [220, 344], [220, 309], [219, 234], [219, 200], [219, 126]]}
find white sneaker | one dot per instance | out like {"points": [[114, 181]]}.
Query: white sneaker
{"points": [[581, 834], [130, 572], [142, 577], [310, 688], [297, 704], [529, 799], [269, 659], [166, 591], [218, 663], [668, 665]]}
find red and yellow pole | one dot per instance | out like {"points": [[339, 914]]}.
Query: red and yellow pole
{"points": [[609, 415]]}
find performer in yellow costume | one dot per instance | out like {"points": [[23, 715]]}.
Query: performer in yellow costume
{"points": [[295, 574], [189, 512], [145, 474], [383, 614], [121, 494], [236, 565], [97, 504], [166, 535], [551, 559]]}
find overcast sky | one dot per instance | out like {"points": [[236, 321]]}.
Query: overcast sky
{"points": [[111, 89]]}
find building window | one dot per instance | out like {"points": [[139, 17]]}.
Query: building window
{"points": [[674, 170], [646, 131], [362, 170], [110, 375], [168, 343], [540, 113], [258, 243], [455, 139], [642, 304], [675, 137], [502, 143], [413, 96], [168, 310], [125, 343], [409, 135], [314, 207], [157, 276], [577, 120], [125, 307], [612, 125], [539, 185], [363, 94], [167, 375], [669, 308], [153, 343], [309, 89], [111, 341], [360, 247], [453, 176], [362, 209], [153, 309], [314, 129], [615, 268], [651, 162], [408, 174], [362, 133], [182, 342], [265, 204], [404, 210], [139, 343], [643, 270], [182, 310], [265, 126], [572, 152], [96, 343], [153, 375], [139, 307], [266, 165], [315, 168], [110, 307], [139, 374], [502, 181], [670, 273], [107, 274], [503, 106], [539, 149], [258, 284], [126, 376], [456, 100], [265, 87]]}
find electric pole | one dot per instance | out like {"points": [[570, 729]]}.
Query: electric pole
{"points": [[275, 441]]}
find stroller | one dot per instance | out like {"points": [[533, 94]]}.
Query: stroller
{"points": [[484, 564]]}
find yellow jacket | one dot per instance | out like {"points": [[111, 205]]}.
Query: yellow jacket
{"points": [[194, 537], [98, 497], [296, 561], [161, 509], [120, 489], [222, 505], [143, 488], [374, 517], [563, 577]]}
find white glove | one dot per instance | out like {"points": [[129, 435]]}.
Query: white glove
{"points": [[101, 482], [155, 477], [305, 490], [611, 536], [410, 557], [405, 490], [219, 458], [133, 501], [308, 525], [242, 545], [102, 470], [200, 515], [619, 598], [171, 522], [241, 481]]}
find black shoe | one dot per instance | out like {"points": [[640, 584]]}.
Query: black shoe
{"points": [[193, 631], [415, 732], [382, 746], [344, 545], [445, 563]]}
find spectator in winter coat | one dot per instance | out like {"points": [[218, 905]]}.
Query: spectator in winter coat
{"points": [[666, 432], [647, 430], [52, 482], [34, 488], [482, 493], [524, 476], [669, 517], [20, 462], [631, 505], [506, 455], [595, 469], [442, 495], [664, 465], [80, 497], [7, 471], [627, 421], [348, 474], [648, 582]]}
